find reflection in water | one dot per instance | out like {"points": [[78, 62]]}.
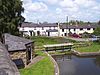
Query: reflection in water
{"points": [[73, 65], [97, 61], [63, 57]]}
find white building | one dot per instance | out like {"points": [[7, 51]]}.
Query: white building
{"points": [[54, 29], [44, 29], [76, 29]]}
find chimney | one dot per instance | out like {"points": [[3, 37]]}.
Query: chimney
{"points": [[58, 29]]}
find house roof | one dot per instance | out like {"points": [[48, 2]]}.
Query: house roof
{"points": [[15, 43], [39, 25], [7, 66], [52, 30], [64, 26]]}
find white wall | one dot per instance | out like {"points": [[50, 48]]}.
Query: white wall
{"points": [[77, 31], [44, 33], [53, 33]]}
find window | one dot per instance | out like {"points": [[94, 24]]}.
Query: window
{"points": [[74, 29], [65, 34], [69, 30], [93, 28], [62, 30], [81, 28], [49, 27], [88, 28], [42, 28], [34, 28]]}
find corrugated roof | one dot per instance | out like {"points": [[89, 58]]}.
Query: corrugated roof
{"points": [[15, 43], [39, 25], [64, 26], [7, 66], [52, 30]]}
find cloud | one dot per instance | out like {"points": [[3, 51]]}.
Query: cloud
{"points": [[85, 3], [56, 10], [67, 3], [34, 6], [49, 1], [37, 6]]}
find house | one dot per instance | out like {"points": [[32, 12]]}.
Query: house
{"points": [[44, 29], [76, 29], [54, 29], [20, 49]]}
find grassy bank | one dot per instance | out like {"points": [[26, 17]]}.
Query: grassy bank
{"points": [[43, 67], [40, 41], [94, 47]]}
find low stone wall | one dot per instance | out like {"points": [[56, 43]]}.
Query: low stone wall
{"points": [[56, 67], [85, 53], [19, 55], [7, 66]]}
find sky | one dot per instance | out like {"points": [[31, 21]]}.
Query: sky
{"points": [[56, 10]]}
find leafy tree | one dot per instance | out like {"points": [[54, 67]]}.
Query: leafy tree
{"points": [[74, 22], [10, 16], [97, 31], [99, 23]]}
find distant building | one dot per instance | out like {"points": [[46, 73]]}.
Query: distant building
{"points": [[76, 29], [54, 29]]}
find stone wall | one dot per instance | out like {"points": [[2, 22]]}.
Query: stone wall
{"points": [[19, 55]]}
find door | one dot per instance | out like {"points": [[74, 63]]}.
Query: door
{"points": [[38, 33], [48, 33], [28, 54]]}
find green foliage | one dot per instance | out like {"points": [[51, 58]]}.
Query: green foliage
{"points": [[43, 67], [85, 35], [94, 47], [97, 31], [42, 40], [74, 22], [10, 16]]}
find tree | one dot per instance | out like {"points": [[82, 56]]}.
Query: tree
{"points": [[97, 31], [99, 22], [10, 16]]}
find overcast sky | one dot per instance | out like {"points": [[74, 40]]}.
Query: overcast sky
{"points": [[57, 10]]}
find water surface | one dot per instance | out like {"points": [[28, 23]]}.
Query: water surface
{"points": [[73, 65]]}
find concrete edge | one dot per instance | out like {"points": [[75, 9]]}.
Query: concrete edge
{"points": [[85, 53], [56, 67]]}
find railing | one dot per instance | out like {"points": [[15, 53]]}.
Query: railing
{"points": [[55, 47]]}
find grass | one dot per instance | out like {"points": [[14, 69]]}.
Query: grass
{"points": [[94, 47], [43, 67], [59, 52], [40, 41]]}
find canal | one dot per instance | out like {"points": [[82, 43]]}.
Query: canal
{"points": [[74, 65]]}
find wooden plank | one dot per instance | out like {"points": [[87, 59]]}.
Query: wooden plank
{"points": [[55, 47], [58, 45]]}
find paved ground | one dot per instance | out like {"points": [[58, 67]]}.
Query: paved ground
{"points": [[79, 39]]}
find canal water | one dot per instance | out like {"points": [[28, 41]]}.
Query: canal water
{"points": [[74, 65]]}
